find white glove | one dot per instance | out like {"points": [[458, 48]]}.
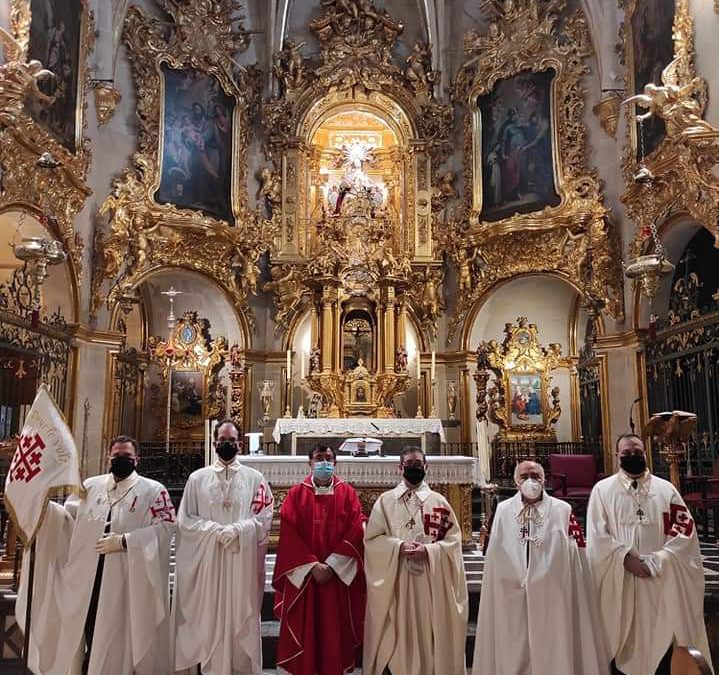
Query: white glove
{"points": [[227, 536], [111, 543]]}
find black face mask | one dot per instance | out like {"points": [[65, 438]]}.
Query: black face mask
{"points": [[226, 450], [633, 464], [413, 474], [122, 466]]}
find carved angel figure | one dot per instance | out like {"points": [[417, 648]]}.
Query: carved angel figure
{"points": [[431, 298], [288, 290], [270, 188], [288, 67], [401, 360], [444, 190], [19, 79], [419, 67], [674, 103], [315, 359]]}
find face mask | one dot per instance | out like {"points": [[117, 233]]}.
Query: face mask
{"points": [[633, 464], [121, 466], [323, 470], [414, 474], [226, 449], [531, 489]]}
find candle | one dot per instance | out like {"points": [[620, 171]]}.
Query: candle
{"points": [[289, 365], [432, 369], [302, 365], [419, 366]]}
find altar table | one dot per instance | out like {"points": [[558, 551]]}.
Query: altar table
{"points": [[453, 476]]}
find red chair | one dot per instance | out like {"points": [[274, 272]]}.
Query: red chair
{"points": [[573, 476]]}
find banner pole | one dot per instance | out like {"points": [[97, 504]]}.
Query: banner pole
{"points": [[28, 611]]}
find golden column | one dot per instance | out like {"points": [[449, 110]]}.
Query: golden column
{"points": [[389, 333], [327, 329]]}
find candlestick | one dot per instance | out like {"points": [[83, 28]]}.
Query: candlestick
{"points": [[433, 407], [289, 364], [419, 414], [419, 366], [432, 368], [302, 366]]}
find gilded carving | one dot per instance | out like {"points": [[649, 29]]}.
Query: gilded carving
{"points": [[145, 234], [680, 174], [513, 384], [106, 100], [532, 37], [607, 112], [39, 173]]}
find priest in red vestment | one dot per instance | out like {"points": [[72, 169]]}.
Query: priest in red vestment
{"points": [[319, 574]]}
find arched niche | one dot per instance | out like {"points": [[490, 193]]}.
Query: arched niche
{"points": [[60, 288], [675, 234], [553, 304]]}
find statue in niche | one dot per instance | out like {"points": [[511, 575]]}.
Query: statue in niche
{"points": [[315, 359], [431, 301], [401, 360]]}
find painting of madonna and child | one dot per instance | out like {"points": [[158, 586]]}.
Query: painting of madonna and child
{"points": [[196, 167], [526, 399], [517, 153]]}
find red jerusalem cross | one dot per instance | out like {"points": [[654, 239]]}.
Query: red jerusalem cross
{"points": [[26, 460], [261, 500], [162, 508]]}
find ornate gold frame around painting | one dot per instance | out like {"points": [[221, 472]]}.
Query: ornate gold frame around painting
{"points": [[39, 172], [146, 234], [572, 239], [520, 354], [682, 167]]}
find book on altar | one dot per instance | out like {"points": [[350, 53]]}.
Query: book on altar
{"points": [[360, 447]]}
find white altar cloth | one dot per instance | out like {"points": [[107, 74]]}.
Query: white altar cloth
{"points": [[288, 470], [357, 426]]}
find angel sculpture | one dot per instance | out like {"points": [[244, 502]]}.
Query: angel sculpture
{"points": [[674, 103], [19, 79]]}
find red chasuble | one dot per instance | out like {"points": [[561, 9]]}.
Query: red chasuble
{"points": [[321, 626]]}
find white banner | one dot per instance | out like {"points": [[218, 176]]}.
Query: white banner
{"points": [[45, 463]]}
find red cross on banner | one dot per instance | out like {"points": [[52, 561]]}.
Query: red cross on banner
{"points": [[678, 521], [261, 500], [26, 460], [162, 508], [437, 524]]}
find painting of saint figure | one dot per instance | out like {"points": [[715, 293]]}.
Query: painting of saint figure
{"points": [[526, 399], [652, 51], [196, 166], [516, 141], [55, 32], [186, 399]]}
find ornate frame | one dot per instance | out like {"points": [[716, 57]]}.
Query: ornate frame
{"points": [[191, 349], [682, 168], [574, 238], [38, 172], [145, 234], [519, 354]]}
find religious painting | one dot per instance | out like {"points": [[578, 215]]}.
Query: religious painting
{"points": [[196, 158], [186, 399], [517, 154], [526, 398], [56, 30], [652, 48]]}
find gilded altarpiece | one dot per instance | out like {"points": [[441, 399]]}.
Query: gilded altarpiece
{"points": [[353, 188], [177, 205], [532, 202]]}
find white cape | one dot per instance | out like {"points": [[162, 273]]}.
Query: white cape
{"points": [[416, 624], [131, 634], [643, 617], [218, 591], [541, 617]]}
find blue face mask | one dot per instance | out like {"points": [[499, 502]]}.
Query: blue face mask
{"points": [[323, 470]]}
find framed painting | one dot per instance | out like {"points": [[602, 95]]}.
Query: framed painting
{"points": [[650, 49], [516, 157], [187, 399], [196, 143], [57, 40], [526, 398]]}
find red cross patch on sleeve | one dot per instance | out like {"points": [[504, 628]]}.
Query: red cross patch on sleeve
{"points": [[261, 500], [162, 509], [437, 524], [678, 521], [575, 531]]}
